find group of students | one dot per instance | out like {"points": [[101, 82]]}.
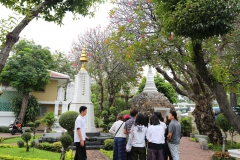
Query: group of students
{"points": [[160, 139]]}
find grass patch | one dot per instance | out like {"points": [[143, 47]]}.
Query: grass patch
{"points": [[21, 152], [15, 139], [193, 139], [109, 154]]}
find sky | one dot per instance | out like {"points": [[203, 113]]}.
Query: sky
{"points": [[49, 34]]}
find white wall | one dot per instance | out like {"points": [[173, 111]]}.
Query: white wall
{"points": [[6, 118]]}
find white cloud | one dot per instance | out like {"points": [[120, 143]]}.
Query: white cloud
{"points": [[49, 34]]}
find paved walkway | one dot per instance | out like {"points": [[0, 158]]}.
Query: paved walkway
{"points": [[188, 150]]}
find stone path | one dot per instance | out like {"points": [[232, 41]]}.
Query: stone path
{"points": [[188, 150]]}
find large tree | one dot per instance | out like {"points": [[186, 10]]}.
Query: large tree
{"points": [[26, 70], [49, 10], [109, 70], [200, 21], [137, 23]]}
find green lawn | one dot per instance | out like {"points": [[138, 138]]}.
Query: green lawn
{"points": [[109, 154], [15, 139], [36, 153]]}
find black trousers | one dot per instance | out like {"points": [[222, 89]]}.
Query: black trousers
{"points": [[138, 153], [80, 153]]}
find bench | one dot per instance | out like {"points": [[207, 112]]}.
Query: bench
{"points": [[203, 143], [197, 136]]}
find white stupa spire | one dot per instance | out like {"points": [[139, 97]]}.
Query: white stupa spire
{"points": [[150, 84]]}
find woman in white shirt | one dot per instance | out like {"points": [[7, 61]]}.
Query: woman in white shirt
{"points": [[119, 149], [156, 140], [138, 151]]}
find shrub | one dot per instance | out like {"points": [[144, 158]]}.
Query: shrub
{"points": [[28, 130], [112, 118], [109, 154], [1, 139], [192, 139], [125, 112], [108, 144], [49, 119], [104, 113], [186, 124], [8, 157], [67, 121], [6, 146], [210, 145], [54, 147], [221, 156], [69, 155], [33, 144], [96, 121], [26, 137], [113, 110], [4, 129], [20, 144], [66, 140]]}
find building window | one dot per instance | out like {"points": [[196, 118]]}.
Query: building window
{"points": [[42, 111]]}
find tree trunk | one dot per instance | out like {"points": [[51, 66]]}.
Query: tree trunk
{"points": [[24, 106], [101, 95], [216, 87], [111, 100], [12, 37], [126, 101], [233, 99], [205, 121]]}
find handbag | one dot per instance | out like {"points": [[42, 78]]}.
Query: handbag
{"points": [[130, 140], [118, 129]]}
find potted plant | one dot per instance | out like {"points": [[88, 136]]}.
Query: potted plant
{"points": [[49, 119]]}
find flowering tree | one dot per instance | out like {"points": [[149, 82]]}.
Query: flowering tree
{"points": [[107, 65]]}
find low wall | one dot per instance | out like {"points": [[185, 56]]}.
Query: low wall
{"points": [[6, 118]]}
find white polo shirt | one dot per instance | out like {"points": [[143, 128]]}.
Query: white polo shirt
{"points": [[79, 123], [155, 134]]}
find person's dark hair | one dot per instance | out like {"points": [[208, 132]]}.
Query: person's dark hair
{"points": [[159, 115], [174, 114], [133, 112], [139, 120], [146, 120], [154, 120], [120, 117], [167, 121], [82, 108]]}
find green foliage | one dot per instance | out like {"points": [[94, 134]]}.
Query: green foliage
{"points": [[67, 121], [49, 119], [28, 130], [53, 147], [112, 110], [66, 141], [198, 19], [32, 108], [162, 86], [125, 112], [223, 123], [104, 113], [8, 157], [33, 144], [192, 139], [20, 144], [1, 139], [108, 144], [5, 146], [26, 137], [26, 70], [186, 124], [221, 156], [4, 129], [69, 155], [109, 154], [112, 118], [53, 11], [228, 146], [210, 145]]}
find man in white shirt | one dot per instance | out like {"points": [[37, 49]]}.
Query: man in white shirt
{"points": [[80, 135]]}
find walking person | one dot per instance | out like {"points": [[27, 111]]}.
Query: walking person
{"points": [[174, 135], [139, 131], [80, 135], [155, 137], [128, 125], [168, 155], [119, 148]]}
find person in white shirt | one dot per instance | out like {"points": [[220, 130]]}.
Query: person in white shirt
{"points": [[138, 151], [119, 149], [156, 140], [80, 135], [160, 118]]}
